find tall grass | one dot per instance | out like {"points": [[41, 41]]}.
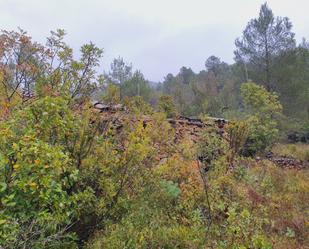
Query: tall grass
{"points": [[298, 151]]}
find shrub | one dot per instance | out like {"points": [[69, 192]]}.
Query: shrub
{"points": [[262, 108], [167, 106]]}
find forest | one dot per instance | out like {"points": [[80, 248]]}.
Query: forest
{"points": [[94, 157]]}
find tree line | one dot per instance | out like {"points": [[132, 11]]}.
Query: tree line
{"points": [[266, 53]]}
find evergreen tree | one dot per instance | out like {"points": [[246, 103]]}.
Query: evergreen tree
{"points": [[264, 38]]}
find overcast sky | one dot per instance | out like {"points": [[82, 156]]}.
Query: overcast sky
{"points": [[157, 36]]}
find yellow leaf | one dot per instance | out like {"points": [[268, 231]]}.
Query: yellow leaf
{"points": [[32, 184], [16, 166]]}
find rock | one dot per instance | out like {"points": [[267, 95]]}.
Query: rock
{"points": [[288, 163], [296, 137]]}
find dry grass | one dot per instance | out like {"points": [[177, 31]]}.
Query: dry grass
{"points": [[298, 151]]}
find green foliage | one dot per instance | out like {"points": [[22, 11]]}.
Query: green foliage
{"points": [[53, 160], [32, 167], [246, 210], [258, 100], [111, 95], [71, 177], [167, 106], [170, 188], [137, 105], [153, 221], [263, 108], [47, 70], [237, 133], [206, 92], [298, 151], [136, 86], [120, 71], [210, 147], [263, 39]]}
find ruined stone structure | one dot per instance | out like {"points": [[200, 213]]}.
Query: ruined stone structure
{"points": [[186, 127]]}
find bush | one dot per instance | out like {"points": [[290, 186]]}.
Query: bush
{"points": [[262, 108], [166, 105]]}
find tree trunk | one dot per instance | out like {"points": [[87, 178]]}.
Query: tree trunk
{"points": [[267, 70]]}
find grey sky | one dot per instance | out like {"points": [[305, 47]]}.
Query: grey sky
{"points": [[158, 36]]}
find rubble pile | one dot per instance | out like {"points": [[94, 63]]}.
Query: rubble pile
{"points": [[190, 128], [289, 163], [184, 126]]}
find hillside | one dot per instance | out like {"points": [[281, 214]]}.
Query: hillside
{"points": [[215, 159]]}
